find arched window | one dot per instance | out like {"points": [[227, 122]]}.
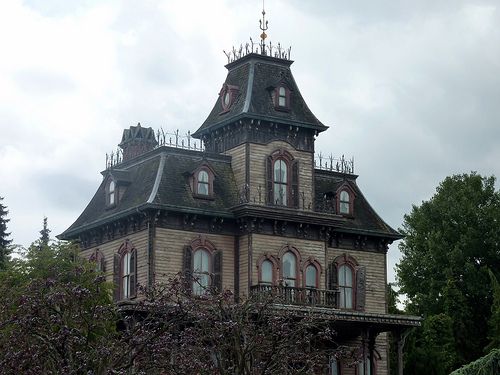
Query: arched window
{"points": [[289, 269], [346, 286], [100, 262], [128, 279], [266, 272], [203, 183], [280, 182], [344, 202], [201, 271], [311, 276], [111, 193]]}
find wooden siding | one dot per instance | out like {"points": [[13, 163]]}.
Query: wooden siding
{"points": [[139, 240], [375, 276], [244, 263], [238, 165], [169, 245]]}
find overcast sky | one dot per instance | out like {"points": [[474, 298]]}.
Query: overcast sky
{"points": [[411, 89]]}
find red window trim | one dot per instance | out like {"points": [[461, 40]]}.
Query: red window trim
{"points": [[275, 269], [352, 196], [194, 182], [98, 257], [349, 261], [287, 157], [233, 92], [298, 263], [127, 248], [319, 271]]}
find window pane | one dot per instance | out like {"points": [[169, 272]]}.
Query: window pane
{"points": [[289, 265], [345, 276], [111, 198], [202, 188], [334, 367], [280, 171], [111, 186], [311, 273], [344, 207], [267, 272], [344, 196], [280, 194], [282, 101], [201, 271], [203, 176], [348, 298], [282, 91]]}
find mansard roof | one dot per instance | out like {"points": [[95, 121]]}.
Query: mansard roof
{"points": [[256, 76], [160, 179], [364, 219]]}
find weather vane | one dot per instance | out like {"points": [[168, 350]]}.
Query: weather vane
{"points": [[263, 27]]}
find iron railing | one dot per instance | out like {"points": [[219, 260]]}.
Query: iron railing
{"points": [[297, 296]]}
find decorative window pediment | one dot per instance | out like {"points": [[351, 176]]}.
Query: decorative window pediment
{"points": [[281, 93], [202, 181], [117, 181], [125, 271], [345, 199], [346, 276], [282, 179], [202, 266], [228, 95]]}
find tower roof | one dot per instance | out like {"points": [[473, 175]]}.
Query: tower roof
{"points": [[253, 79]]}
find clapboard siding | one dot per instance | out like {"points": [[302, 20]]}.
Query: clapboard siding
{"points": [[139, 240], [375, 276], [244, 261], [169, 245], [238, 164]]}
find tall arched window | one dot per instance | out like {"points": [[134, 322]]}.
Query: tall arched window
{"points": [[111, 193], [266, 272], [289, 269], [280, 182], [346, 285], [128, 279], [201, 271], [311, 276], [203, 183], [344, 202]]}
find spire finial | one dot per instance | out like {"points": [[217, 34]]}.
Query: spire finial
{"points": [[263, 27]]}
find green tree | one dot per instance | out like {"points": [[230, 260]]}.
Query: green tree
{"points": [[451, 241], [4, 236], [44, 234]]}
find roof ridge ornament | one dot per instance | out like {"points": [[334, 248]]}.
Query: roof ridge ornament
{"points": [[262, 48], [263, 27]]}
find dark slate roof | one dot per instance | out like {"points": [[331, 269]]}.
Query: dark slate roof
{"points": [[364, 218], [255, 76], [160, 178]]}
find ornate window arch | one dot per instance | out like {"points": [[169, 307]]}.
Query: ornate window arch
{"points": [[312, 271], [345, 199], [282, 179], [202, 181], [349, 280], [267, 267], [290, 266], [125, 271], [202, 266]]}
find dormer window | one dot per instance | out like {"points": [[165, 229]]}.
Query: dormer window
{"points": [[345, 199], [111, 193], [228, 95], [345, 202], [202, 181]]}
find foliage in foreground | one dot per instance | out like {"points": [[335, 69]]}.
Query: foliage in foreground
{"points": [[4, 236], [57, 317], [451, 248], [487, 365]]}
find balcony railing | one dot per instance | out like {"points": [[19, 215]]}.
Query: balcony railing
{"points": [[297, 296]]}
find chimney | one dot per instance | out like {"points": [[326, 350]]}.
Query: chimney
{"points": [[137, 141]]}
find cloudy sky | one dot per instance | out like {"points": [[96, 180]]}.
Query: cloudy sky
{"points": [[411, 89]]}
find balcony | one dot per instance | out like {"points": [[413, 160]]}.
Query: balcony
{"points": [[297, 296]]}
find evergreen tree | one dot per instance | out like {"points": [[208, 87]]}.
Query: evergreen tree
{"points": [[44, 234], [4, 241]]}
